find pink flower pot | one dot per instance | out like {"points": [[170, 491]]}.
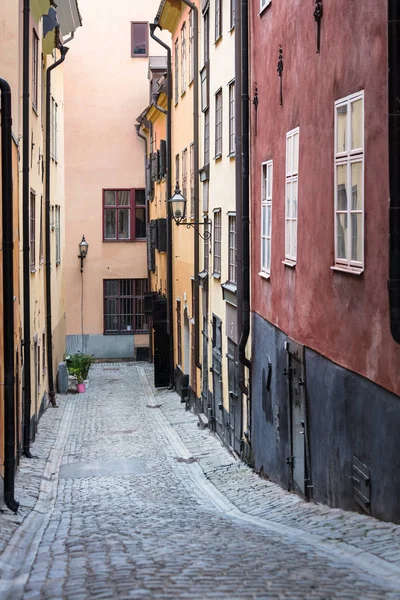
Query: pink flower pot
{"points": [[81, 388]]}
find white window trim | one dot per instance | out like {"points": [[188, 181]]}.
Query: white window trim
{"points": [[348, 158], [263, 5], [267, 201], [292, 177]]}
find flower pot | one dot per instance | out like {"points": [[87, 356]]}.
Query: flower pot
{"points": [[81, 388]]}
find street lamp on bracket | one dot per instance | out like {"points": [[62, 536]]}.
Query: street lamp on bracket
{"points": [[83, 250], [177, 206]]}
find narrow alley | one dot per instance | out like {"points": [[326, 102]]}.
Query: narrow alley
{"points": [[136, 501]]}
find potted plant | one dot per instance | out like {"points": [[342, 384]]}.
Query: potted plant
{"points": [[78, 366]]}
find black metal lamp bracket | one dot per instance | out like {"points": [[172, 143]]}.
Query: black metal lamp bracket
{"points": [[205, 236]]}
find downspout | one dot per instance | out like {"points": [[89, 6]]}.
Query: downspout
{"points": [[25, 229], [394, 162], [196, 167], [63, 50], [238, 184], [170, 320], [143, 137], [245, 199], [8, 297]]}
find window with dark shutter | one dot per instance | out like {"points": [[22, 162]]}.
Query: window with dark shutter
{"points": [[162, 235], [154, 166], [163, 158], [151, 245]]}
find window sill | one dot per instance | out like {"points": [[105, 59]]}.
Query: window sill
{"points": [[124, 241], [217, 40], [32, 269], [216, 275], [348, 270], [124, 332], [35, 110], [264, 8], [289, 263], [218, 156], [183, 93], [266, 276], [232, 29], [58, 263], [191, 82], [232, 155]]}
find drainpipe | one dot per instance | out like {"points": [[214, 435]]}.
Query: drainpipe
{"points": [[194, 8], [244, 272], [8, 297], [25, 230], [63, 50], [170, 319], [144, 138], [394, 172], [238, 182]]}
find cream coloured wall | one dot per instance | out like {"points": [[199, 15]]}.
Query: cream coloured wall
{"points": [[106, 90]]}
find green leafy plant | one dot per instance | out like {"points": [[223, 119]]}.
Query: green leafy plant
{"points": [[79, 365]]}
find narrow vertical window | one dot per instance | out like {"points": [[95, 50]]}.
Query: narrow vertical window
{"points": [[292, 176], [183, 58], [177, 178], [266, 217], [35, 69], [58, 235], [191, 180], [232, 249], [349, 182], [206, 240], [44, 352], [218, 124], [140, 214], [32, 216], [206, 137], [191, 47], [206, 30], [176, 70], [217, 243], [232, 144], [184, 173], [41, 253], [233, 16], [179, 331], [139, 39], [218, 19]]}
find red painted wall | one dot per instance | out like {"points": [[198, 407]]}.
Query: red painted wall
{"points": [[342, 316]]}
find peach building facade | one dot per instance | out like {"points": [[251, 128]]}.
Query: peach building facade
{"points": [[105, 182]]}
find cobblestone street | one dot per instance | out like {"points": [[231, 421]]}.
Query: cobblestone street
{"points": [[128, 498]]}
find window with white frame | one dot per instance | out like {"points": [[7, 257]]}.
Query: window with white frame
{"points": [[176, 70], [191, 159], [58, 235], [292, 176], [217, 243], [206, 137], [183, 58], [218, 124], [184, 173], [191, 46], [266, 216], [232, 249], [349, 182], [232, 145], [218, 19], [264, 4], [54, 129]]}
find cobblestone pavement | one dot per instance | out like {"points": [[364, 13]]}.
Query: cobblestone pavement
{"points": [[130, 499]]}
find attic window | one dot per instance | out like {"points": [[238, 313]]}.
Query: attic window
{"points": [[140, 39]]}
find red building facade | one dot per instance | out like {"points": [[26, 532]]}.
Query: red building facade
{"points": [[326, 370]]}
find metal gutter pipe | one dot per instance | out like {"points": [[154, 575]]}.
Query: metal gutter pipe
{"points": [[8, 296], [26, 229], [245, 195], [196, 166], [238, 182], [63, 50], [394, 162], [143, 137], [170, 319]]}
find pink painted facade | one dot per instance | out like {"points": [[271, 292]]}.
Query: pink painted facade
{"points": [[342, 316]]}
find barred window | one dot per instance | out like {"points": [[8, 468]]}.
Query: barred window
{"points": [[124, 306]]}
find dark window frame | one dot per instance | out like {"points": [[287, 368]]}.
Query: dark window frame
{"points": [[179, 331], [35, 70], [146, 54], [133, 205], [218, 20], [137, 307]]}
